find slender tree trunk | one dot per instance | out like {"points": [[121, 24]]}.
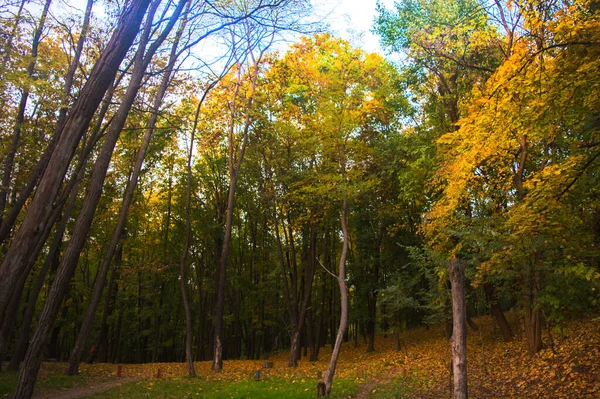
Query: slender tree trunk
{"points": [[497, 312], [12, 36], [21, 347], [86, 326], [343, 302], [320, 335], [8, 222], [9, 321], [397, 332], [301, 321], [234, 166], [115, 342], [310, 331], [188, 240], [40, 208], [217, 364], [11, 312], [70, 189], [459, 328], [101, 345], [372, 305], [53, 350], [532, 315], [20, 118], [132, 19]]}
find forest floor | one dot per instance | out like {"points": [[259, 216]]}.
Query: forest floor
{"points": [[419, 370]]}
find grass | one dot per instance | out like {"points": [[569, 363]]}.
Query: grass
{"points": [[197, 387], [396, 388], [52, 379]]}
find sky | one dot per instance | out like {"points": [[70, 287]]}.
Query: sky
{"points": [[352, 20]]}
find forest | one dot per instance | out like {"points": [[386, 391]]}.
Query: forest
{"points": [[223, 198]]}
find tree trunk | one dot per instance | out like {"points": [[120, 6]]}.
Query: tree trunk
{"points": [[188, 238], [291, 305], [234, 166], [532, 314], [115, 342], [497, 313], [51, 260], [533, 329], [343, 302], [86, 326], [21, 347], [70, 190], [371, 304], [372, 294], [301, 320], [20, 118], [40, 208], [456, 270], [8, 222], [53, 351], [319, 335], [101, 345], [100, 78], [12, 36]]}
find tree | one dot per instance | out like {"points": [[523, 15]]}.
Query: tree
{"points": [[127, 199], [516, 162], [79, 118]]}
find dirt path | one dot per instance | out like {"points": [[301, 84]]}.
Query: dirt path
{"points": [[86, 390], [365, 389]]}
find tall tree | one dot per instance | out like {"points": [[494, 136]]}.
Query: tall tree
{"points": [[40, 208], [237, 141], [127, 199]]}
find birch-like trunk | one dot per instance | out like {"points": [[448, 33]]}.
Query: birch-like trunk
{"points": [[459, 328], [343, 302]]}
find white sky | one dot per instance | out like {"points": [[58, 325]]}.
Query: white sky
{"points": [[352, 20]]}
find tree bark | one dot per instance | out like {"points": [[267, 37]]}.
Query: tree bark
{"points": [[101, 345], [21, 347], [497, 312], [70, 190], [456, 270], [343, 302], [11, 311], [300, 323], [532, 315]]}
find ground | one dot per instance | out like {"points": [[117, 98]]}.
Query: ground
{"points": [[419, 370]]}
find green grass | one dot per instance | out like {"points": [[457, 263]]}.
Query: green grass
{"points": [[8, 382], [397, 388], [54, 380], [186, 387]]}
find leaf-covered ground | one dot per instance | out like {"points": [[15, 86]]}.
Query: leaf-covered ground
{"points": [[419, 370], [497, 369]]}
